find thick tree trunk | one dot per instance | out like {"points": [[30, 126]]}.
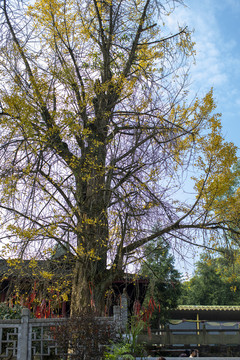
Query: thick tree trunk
{"points": [[90, 273], [91, 276], [88, 289], [81, 295]]}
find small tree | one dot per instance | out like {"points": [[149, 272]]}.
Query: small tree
{"points": [[85, 337], [164, 286]]}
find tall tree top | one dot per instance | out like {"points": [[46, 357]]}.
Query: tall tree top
{"points": [[97, 136]]}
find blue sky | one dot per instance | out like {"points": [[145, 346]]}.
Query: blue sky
{"points": [[216, 25]]}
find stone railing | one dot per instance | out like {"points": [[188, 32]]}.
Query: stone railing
{"points": [[32, 339]]}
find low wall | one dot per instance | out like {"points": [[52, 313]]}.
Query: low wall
{"points": [[28, 339]]}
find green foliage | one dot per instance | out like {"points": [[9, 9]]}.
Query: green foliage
{"points": [[216, 281], [164, 284], [127, 347], [121, 349], [7, 312]]}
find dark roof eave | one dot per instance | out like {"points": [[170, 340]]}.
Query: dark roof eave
{"points": [[208, 307]]}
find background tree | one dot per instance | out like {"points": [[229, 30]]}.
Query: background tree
{"points": [[228, 203], [164, 286], [97, 136], [216, 280]]}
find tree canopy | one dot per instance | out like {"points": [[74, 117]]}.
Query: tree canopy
{"points": [[216, 280], [97, 136]]}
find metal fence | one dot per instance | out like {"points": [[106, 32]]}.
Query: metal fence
{"points": [[32, 339]]}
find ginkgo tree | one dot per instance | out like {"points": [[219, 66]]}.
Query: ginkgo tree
{"points": [[97, 137]]}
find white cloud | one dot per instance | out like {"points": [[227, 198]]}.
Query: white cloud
{"points": [[217, 37], [214, 59]]}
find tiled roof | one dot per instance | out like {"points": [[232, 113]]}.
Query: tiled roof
{"points": [[209, 307]]}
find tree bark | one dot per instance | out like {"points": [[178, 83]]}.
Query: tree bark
{"points": [[88, 289], [89, 286]]}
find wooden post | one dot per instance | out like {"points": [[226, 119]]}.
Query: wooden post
{"points": [[167, 335], [204, 340], [198, 326]]}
